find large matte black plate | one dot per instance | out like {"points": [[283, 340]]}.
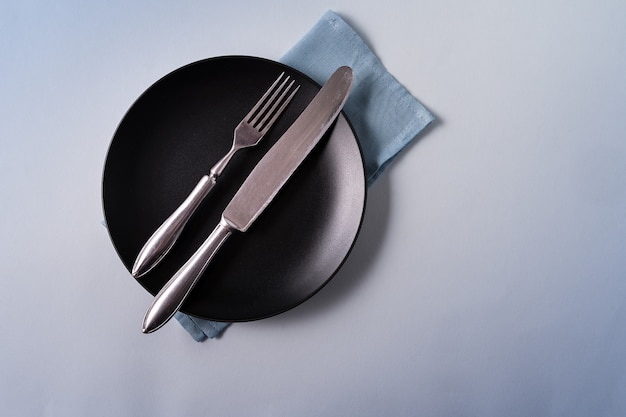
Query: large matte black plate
{"points": [[174, 133]]}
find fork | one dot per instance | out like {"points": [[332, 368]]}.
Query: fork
{"points": [[248, 132]]}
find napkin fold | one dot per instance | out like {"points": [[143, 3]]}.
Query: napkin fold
{"points": [[384, 115]]}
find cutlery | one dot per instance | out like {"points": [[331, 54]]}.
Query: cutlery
{"points": [[256, 193], [248, 133]]}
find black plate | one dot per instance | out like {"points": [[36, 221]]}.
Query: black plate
{"points": [[174, 133]]}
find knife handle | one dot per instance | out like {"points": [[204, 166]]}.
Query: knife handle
{"points": [[171, 297], [162, 240]]}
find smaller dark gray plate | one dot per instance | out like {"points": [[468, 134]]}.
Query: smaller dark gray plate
{"points": [[174, 133]]}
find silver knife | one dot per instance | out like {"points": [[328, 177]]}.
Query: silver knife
{"points": [[256, 193]]}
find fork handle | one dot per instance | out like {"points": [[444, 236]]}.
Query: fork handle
{"points": [[219, 167], [162, 240]]}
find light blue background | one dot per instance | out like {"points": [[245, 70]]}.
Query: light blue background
{"points": [[490, 275]]}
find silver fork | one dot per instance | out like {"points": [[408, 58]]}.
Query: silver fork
{"points": [[248, 133]]}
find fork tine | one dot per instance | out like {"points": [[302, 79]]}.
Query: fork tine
{"points": [[270, 105], [264, 99], [266, 124]]}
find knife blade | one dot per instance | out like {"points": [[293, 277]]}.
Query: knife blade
{"points": [[256, 193]]}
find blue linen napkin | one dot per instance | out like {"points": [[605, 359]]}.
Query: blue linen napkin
{"points": [[384, 115]]}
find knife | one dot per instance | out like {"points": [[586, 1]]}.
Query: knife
{"points": [[256, 193]]}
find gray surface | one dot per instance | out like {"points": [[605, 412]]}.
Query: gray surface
{"points": [[489, 278]]}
